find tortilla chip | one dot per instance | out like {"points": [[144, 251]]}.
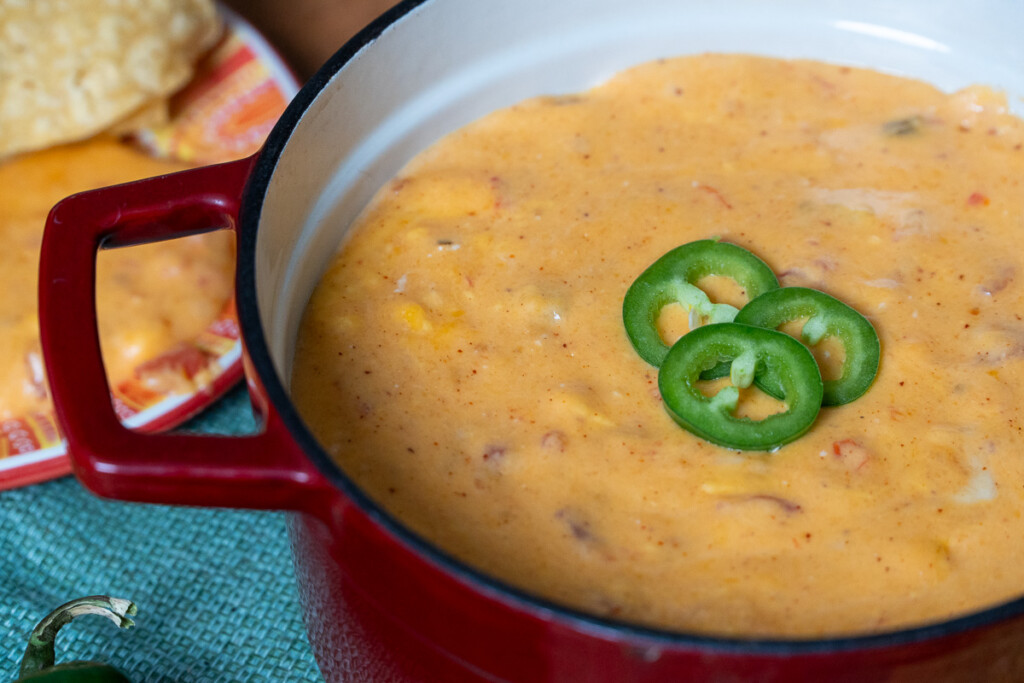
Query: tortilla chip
{"points": [[72, 68]]}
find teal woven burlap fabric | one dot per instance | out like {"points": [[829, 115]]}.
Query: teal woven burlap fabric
{"points": [[215, 588]]}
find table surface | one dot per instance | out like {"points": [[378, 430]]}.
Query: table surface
{"points": [[215, 588]]}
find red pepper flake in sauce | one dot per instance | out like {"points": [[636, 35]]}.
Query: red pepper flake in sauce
{"points": [[978, 199], [850, 453], [715, 193]]}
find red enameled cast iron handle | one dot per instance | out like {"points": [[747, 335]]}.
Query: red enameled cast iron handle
{"points": [[265, 470]]}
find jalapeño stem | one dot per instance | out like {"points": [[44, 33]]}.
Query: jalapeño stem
{"points": [[39, 655]]}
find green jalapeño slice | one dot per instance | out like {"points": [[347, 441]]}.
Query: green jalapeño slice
{"points": [[673, 279], [825, 316], [751, 351]]}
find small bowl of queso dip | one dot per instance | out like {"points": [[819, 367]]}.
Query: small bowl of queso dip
{"points": [[437, 246]]}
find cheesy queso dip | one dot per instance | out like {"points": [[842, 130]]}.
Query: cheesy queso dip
{"points": [[464, 358]]}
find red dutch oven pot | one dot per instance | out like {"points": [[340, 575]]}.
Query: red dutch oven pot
{"points": [[380, 602]]}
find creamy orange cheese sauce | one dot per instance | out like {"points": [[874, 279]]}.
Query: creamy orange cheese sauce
{"points": [[464, 357], [150, 297]]}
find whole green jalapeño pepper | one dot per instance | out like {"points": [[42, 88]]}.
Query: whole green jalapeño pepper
{"points": [[672, 279], [751, 351], [39, 659], [825, 316]]}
